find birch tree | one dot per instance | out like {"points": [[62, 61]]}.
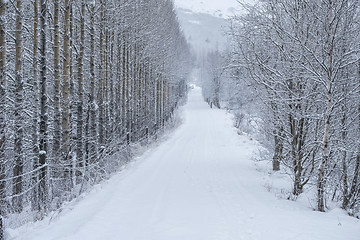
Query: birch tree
{"points": [[300, 57]]}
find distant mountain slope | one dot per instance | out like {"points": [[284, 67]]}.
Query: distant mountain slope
{"points": [[203, 31], [203, 21], [218, 8]]}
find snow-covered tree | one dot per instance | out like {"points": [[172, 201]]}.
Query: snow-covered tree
{"points": [[80, 81], [301, 57]]}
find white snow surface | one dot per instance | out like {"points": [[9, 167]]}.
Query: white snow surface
{"points": [[199, 184]]}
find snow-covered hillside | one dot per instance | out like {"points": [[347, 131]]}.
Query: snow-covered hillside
{"points": [[218, 8], [203, 31], [204, 22]]}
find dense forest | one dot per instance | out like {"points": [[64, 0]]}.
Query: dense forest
{"points": [[293, 68], [81, 82]]}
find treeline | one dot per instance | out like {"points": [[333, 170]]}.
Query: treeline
{"points": [[211, 70], [302, 59], [80, 80]]}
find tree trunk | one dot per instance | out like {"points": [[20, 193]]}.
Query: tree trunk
{"points": [[124, 88], [92, 116], [111, 70], [57, 114], [278, 149], [35, 130], [321, 181], [18, 114], [79, 134], [344, 157], [56, 144], [3, 93], [2, 237], [43, 111], [65, 103], [101, 77], [107, 89], [324, 160], [355, 186]]}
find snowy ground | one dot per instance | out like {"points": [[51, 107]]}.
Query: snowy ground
{"points": [[200, 184]]}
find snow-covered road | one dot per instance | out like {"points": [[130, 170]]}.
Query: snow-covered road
{"points": [[200, 184]]}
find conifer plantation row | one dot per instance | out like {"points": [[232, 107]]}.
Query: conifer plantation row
{"points": [[80, 82]]}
